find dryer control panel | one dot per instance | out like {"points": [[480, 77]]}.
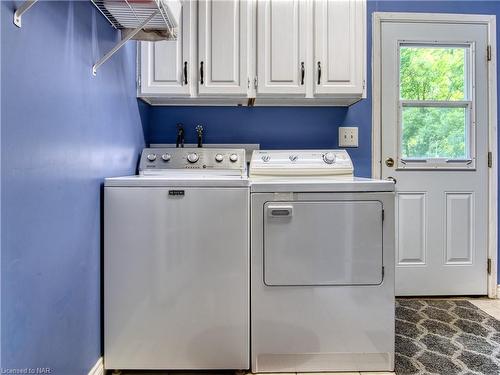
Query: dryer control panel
{"points": [[157, 159], [301, 163]]}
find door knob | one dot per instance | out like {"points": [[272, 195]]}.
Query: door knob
{"points": [[389, 162], [390, 178]]}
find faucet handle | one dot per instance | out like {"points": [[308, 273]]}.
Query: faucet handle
{"points": [[199, 129]]}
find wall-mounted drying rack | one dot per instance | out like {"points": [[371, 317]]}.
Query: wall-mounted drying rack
{"points": [[139, 19], [149, 20]]}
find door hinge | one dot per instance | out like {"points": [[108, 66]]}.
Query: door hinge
{"points": [[488, 266], [255, 83], [488, 53], [383, 215], [490, 159], [364, 84]]}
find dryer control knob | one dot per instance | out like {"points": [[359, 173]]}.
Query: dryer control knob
{"points": [[151, 157], [266, 158], [233, 158], [219, 158], [329, 158], [193, 157], [166, 157]]}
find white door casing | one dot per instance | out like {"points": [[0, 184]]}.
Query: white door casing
{"points": [[223, 47], [445, 214], [165, 66], [283, 32], [339, 46]]}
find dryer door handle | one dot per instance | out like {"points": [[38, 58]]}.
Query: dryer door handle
{"points": [[280, 211]]}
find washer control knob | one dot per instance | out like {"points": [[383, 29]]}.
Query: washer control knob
{"points": [[219, 158], [233, 158], [293, 157], [329, 158], [151, 157], [266, 158], [166, 157], [193, 157]]}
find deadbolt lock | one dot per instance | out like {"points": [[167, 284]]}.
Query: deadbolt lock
{"points": [[389, 162]]}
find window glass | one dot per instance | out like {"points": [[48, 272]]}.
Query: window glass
{"points": [[433, 73], [434, 132]]}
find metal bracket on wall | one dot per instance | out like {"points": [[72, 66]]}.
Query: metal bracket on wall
{"points": [[120, 44], [21, 10]]}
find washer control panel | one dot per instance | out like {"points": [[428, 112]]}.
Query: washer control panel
{"points": [[301, 163], [192, 158]]}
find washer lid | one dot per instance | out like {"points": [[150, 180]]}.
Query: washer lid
{"points": [[301, 163], [180, 178]]}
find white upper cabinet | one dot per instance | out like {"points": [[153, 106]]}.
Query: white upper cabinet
{"points": [[165, 66], [259, 52], [223, 47], [339, 47], [282, 33]]}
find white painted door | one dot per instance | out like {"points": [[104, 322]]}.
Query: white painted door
{"points": [[166, 65], [339, 46], [434, 116], [283, 31], [223, 47]]}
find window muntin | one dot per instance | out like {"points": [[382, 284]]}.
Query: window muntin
{"points": [[436, 106]]}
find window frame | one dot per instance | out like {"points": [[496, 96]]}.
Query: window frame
{"points": [[468, 163]]}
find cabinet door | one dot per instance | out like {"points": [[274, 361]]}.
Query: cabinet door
{"points": [[339, 44], [222, 47], [282, 31], [165, 65]]}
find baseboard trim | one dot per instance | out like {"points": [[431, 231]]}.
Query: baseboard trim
{"points": [[98, 368]]}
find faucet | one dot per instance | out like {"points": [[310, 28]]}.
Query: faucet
{"points": [[199, 130], [180, 136]]}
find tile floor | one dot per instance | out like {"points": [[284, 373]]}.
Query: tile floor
{"points": [[489, 306]]}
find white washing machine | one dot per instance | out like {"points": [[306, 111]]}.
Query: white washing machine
{"points": [[322, 264], [176, 262]]}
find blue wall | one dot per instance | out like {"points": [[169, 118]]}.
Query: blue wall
{"points": [[62, 131], [296, 127]]}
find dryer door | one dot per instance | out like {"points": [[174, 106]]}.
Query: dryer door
{"points": [[323, 243]]}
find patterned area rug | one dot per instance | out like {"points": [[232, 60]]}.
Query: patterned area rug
{"points": [[436, 336]]}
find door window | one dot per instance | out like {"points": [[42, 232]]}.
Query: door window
{"points": [[436, 122]]}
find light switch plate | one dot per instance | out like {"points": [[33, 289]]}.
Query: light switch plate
{"points": [[348, 136]]}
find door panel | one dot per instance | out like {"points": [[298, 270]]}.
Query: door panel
{"points": [[166, 65], [176, 281], [338, 46], [459, 227], [282, 33], [442, 229], [411, 228], [323, 243], [222, 47]]}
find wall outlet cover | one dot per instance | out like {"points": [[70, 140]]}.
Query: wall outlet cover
{"points": [[348, 136]]}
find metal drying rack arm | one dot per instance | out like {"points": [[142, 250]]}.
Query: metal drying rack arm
{"points": [[21, 10], [120, 44]]}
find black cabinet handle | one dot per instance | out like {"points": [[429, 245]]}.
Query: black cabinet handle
{"points": [[319, 72], [201, 72], [185, 72], [302, 72]]}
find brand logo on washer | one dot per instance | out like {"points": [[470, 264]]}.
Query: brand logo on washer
{"points": [[176, 192]]}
